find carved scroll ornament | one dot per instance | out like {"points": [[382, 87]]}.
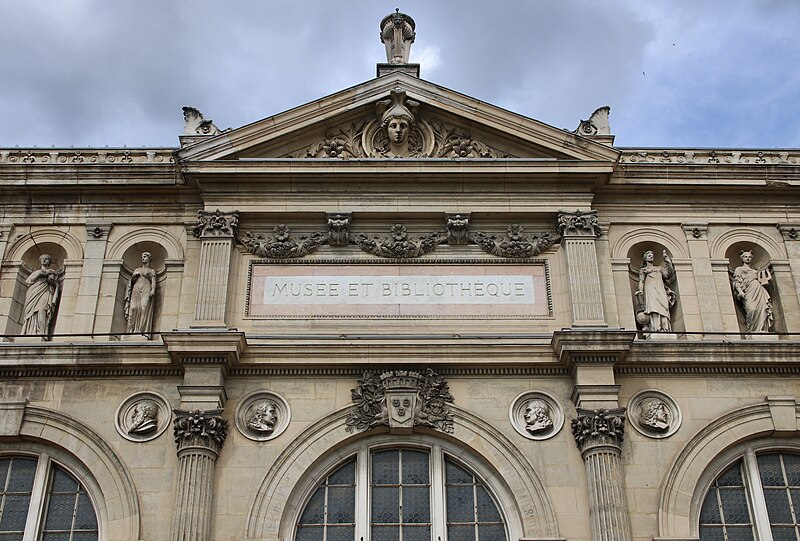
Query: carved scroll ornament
{"points": [[401, 399]]}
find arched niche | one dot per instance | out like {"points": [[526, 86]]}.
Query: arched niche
{"points": [[29, 261], [644, 235], [761, 260], [635, 256], [131, 260], [293, 474]]}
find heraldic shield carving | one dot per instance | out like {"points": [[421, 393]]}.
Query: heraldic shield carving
{"points": [[401, 400]]}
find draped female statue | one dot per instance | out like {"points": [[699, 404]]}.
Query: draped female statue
{"points": [[748, 287], [41, 299], [654, 296], [139, 297]]}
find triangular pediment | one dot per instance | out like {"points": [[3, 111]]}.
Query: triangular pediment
{"points": [[445, 125]]}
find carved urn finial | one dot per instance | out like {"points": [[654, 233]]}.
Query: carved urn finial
{"points": [[397, 34]]}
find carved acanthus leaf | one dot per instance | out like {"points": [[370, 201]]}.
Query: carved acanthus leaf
{"points": [[599, 427], [401, 399], [216, 224], [578, 223], [398, 245], [200, 428], [516, 245], [343, 143], [453, 144], [281, 246]]}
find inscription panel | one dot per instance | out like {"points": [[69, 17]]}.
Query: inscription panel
{"points": [[412, 290]]}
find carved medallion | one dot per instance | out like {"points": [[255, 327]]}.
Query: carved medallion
{"points": [[262, 416], [536, 415], [654, 414], [401, 400], [142, 416]]}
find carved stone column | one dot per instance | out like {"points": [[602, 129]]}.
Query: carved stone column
{"points": [[599, 435], [217, 230], [199, 436], [578, 232]]}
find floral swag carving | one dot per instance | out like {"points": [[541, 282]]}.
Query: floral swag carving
{"points": [[281, 246], [401, 399], [599, 427], [398, 245], [198, 428]]}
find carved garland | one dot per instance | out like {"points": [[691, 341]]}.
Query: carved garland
{"points": [[281, 246]]}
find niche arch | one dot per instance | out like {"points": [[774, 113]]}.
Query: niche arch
{"points": [[520, 492], [146, 236], [622, 247], [35, 241]]}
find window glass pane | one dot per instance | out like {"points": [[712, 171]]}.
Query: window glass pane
{"points": [[386, 533], [346, 475], [460, 504], [385, 468], [340, 505], [415, 468], [740, 533], [487, 510], [490, 532], [416, 505], [455, 475], [84, 536], [791, 463], [416, 533], [314, 513], [769, 468], [4, 464], [778, 506], [709, 512], [461, 532], [734, 506], [59, 512], [732, 477], [341, 533], [85, 519], [712, 533], [386, 505], [55, 536], [22, 472], [15, 512], [67, 508], [783, 533], [309, 533]]}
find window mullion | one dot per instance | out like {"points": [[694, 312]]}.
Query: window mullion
{"points": [[756, 493], [363, 514], [36, 508], [438, 510]]}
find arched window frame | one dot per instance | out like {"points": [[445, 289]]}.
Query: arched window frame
{"points": [[47, 457], [438, 449], [746, 452]]}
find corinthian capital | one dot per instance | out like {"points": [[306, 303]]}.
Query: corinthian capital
{"points": [[593, 428], [578, 223], [216, 224], [196, 428]]}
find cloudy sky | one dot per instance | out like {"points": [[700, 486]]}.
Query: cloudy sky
{"points": [[676, 73]]}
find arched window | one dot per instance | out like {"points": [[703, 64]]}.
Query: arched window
{"points": [[40, 500], [401, 494], [758, 497]]}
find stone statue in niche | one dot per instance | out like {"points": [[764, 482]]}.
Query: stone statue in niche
{"points": [[264, 418], [397, 119], [41, 299], [139, 296], [144, 418], [654, 297], [748, 287], [537, 416], [655, 415]]}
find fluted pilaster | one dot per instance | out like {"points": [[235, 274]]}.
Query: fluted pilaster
{"points": [[217, 230], [599, 435], [199, 436], [578, 231]]}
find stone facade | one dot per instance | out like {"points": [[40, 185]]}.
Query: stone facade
{"points": [[398, 266]]}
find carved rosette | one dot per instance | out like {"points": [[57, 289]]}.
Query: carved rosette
{"points": [[216, 224], [281, 246], [578, 223], [601, 427], [401, 400], [196, 428], [516, 245], [398, 246]]}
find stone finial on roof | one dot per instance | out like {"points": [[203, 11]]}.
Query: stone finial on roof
{"points": [[195, 124], [397, 34], [597, 123]]}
